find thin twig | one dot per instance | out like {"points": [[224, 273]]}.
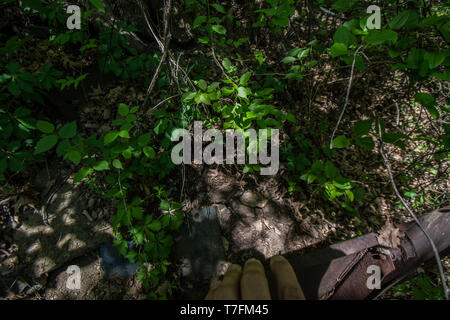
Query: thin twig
{"points": [[218, 64], [346, 97], [161, 102], [165, 48], [394, 186], [155, 76]]}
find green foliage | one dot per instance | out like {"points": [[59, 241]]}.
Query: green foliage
{"points": [[277, 15], [422, 289], [210, 24], [304, 159], [123, 155], [243, 96], [296, 57]]}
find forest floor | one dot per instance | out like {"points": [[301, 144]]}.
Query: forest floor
{"points": [[256, 213]]}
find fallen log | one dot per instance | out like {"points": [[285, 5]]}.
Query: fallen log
{"points": [[343, 270]]}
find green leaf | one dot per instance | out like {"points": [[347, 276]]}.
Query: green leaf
{"points": [[294, 52], [362, 127], [68, 130], [350, 195], [428, 102], [62, 147], [226, 63], [188, 96], [330, 170], [98, 4], [365, 143], [137, 212], [338, 49], [117, 164], [342, 183], [415, 57], [82, 174], [218, 7], [101, 165], [155, 225], [144, 139], [198, 21], [204, 40], [123, 109], [110, 137], [340, 142], [400, 20], [376, 37], [202, 84], [45, 126], [22, 112], [219, 29], [242, 92], [244, 78], [127, 154], [74, 156], [124, 134], [434, 59], [131, 118], [203, 98], [303, 54], [395, 138], [343, 35], [149, 152], [134, 109], [46, 143], [289, 59], [139, 239], [13, 67], [13, 88]]}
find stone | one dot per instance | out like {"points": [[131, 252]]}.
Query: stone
{"points": [[224, 215], [253, 199], [86, 214], [245, 212]]}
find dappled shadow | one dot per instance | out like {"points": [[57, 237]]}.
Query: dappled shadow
{"points": [[47, 241]]}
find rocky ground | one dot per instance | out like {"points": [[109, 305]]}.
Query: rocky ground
{"points": [[254, 219]]}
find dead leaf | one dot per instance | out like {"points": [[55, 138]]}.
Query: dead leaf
{"points": [[390, 236]]}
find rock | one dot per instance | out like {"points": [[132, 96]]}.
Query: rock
{"points": [[224, 215], [253, 199], [86, 214], [221, 186], [246, 213]]}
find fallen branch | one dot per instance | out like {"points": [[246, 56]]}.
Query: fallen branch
{"points": [[165, 47]]}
